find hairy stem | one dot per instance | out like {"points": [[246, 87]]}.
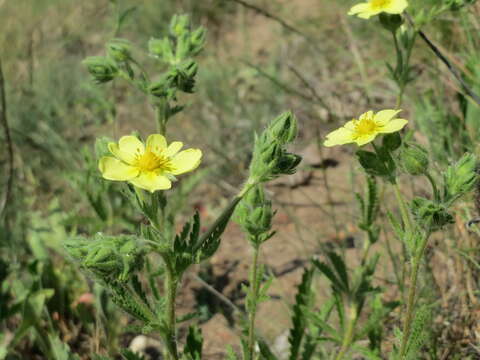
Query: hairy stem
{"points": [[253, 309], [407, 325], [349, 333], [403, 208], [161, 116], [170, 316], [430, 178]]}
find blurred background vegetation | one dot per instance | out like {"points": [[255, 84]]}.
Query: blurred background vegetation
{"points": [[305, 55]]}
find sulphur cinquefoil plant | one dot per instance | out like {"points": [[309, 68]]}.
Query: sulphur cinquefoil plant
{"points": [[420, 217], [148, 169]]}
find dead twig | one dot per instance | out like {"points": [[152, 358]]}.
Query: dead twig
{"points": [[455, 72], [275, 18]]}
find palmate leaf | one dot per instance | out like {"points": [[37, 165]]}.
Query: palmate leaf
{"points": [[299, 320]]}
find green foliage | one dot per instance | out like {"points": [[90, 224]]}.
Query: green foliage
{"points": [[460, 178], [193, 345], [109, 258], [414, 159], [369, 208], [303, 300], [255, 215], [270, 158]]}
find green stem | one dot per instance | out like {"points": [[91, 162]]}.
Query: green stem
{"points": [[403, 208], [407, 325], [171, 293], [253, 310], [161, 116], [436, 194], [349, 333]]}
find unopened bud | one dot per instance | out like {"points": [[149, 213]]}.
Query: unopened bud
{"points": [[414, 159], [101, 68], [391, 22], [119, 50], [284, 128]]}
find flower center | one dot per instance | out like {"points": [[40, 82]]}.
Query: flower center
{"points": [[379, 4], [149, 161], [366, 126]]}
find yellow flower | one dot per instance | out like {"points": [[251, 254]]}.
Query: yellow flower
{"points": [[366, 128], [151, 167], [374, 7]]}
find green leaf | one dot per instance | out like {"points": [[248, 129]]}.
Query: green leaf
{"points": [[340, 267], [299, 320], [265, 351], [194, 343]]}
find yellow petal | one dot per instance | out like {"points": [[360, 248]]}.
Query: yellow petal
{"points": [[396, 6], [186, 160], [359, 8], [114, 169], [368, 115], [131, 145], [350, 125], [129, 158], [151, 181], [156, 143], [365, 139], [384, 116], [173, 148], [393, 125], [339, 137]]}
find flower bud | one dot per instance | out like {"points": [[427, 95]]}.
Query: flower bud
{"points": [[163, 87], [391, 22], [284, 128], [179, 25], [270, 152], [460, 177], [197, 41], [162, 49], [287, 164], [414, 159], [107, 257], [429, 213], [119, 50], [255, 213], [101, 68]]}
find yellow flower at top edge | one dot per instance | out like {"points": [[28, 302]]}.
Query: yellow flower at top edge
{"points": [[374, 7], [364, 129], [152, 166]]}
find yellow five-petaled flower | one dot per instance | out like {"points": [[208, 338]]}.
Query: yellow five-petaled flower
{"points": [[374, 7], [151, 167], [364, 129]]}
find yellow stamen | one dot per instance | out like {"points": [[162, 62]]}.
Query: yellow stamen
{"points": [[379, 4], [365, 126], [149, 161]]}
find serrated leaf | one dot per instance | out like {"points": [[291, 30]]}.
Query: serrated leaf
{"points": [[340, 268], [299, 320]]}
